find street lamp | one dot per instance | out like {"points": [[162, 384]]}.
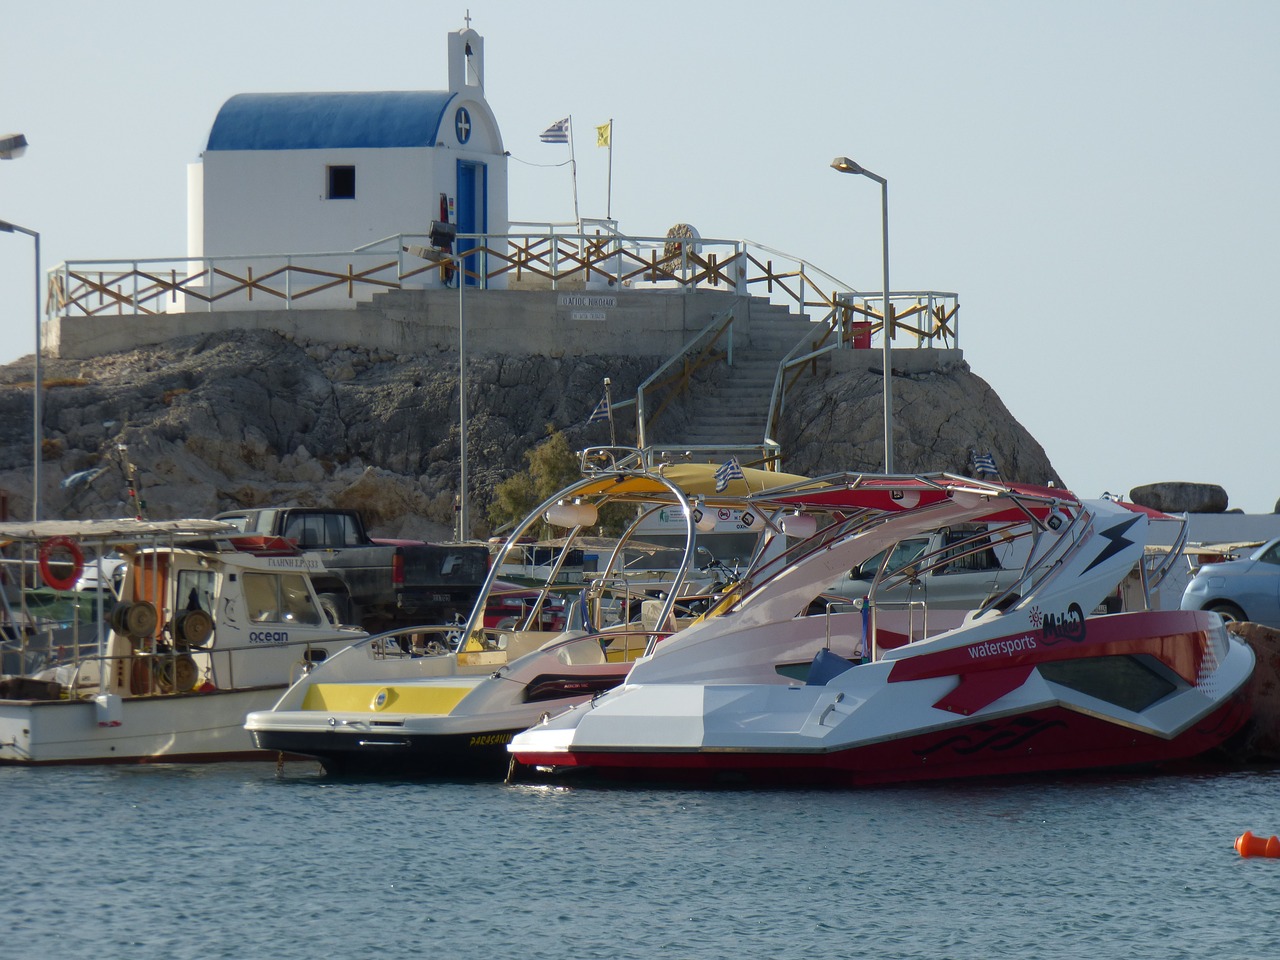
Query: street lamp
{"points": [[845, 165], [12, 146], [442, 236], [38, 427], [464, 510]]}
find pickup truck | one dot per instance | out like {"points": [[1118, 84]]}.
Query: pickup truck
{"points": [[376, 584]]}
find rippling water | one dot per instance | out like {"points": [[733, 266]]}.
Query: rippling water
{"points": [[235, 861]]}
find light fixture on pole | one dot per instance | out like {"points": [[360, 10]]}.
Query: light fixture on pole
{"points": [[12, 146], [845, 165], [37, 382]]}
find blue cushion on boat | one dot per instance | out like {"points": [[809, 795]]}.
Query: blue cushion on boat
{"points": [[825, 666]]}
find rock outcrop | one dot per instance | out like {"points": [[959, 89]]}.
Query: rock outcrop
{"points": [[218, 421], [1260, 741], [940, 419], [1181, 497]]}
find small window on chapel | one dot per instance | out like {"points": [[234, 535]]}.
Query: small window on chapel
{"points": [[342, 183]]}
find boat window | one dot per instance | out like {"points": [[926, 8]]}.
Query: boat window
{"points": [[279, 598], [1133, 683], [195, 590], [296, 601]]}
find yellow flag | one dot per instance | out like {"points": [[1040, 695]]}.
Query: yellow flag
{"points": [[604, 133]]}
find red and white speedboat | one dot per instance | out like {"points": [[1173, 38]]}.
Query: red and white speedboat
{"points": [[1065, 668]]}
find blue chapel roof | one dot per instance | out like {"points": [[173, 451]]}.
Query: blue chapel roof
{"points": [[311, 121]]}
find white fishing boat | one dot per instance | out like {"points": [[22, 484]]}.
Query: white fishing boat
{"points": [[394, 705], [208, 626], [1065, 667]]}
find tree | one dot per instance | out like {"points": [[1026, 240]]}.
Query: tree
{"points": [[552, 466]]}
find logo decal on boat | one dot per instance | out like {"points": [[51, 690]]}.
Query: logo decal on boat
{"points": [[1006, 735], [1118, 541], [1063, 626]]}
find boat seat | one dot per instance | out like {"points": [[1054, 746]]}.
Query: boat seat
{"points": [[578, 654], [826, 665]]}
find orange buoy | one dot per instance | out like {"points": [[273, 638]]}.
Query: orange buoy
{"points": [[1247, 845]]}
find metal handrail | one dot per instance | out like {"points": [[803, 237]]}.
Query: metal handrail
{"points": [[718, 324]]}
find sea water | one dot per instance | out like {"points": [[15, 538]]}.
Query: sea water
{"points": [[237, 860]]}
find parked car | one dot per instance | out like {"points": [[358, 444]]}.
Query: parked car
{"points": [[377, 584], [509, 604], [952, 568], [1245, 589], [113, 568]]}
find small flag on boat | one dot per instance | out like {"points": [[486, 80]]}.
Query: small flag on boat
{"points": [[731, 469], [984, 463], [558, 132], [601, 412]]}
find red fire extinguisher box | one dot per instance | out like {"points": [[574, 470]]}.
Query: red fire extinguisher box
{"points": [[860, 335]]}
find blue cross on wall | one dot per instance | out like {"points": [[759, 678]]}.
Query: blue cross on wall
{"points": [[462, 124]]}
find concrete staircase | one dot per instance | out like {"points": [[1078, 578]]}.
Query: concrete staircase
{"points": [[734, 408]]}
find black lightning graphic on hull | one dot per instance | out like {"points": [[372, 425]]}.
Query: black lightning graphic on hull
{"points": [[1118, 542]]}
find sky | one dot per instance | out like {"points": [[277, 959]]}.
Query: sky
{"points": [[1095, 180]]}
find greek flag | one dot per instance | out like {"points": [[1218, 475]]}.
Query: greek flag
{"points": [[558, 132], [731, 469], [984, 463], [601, 412]]}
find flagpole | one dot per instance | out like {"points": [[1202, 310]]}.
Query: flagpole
{"points": [[608, 405], [608, 206], [573, 166]]}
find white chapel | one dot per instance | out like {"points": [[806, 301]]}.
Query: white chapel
{"points": [[290, 173]]}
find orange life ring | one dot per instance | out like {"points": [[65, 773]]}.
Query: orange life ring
{"points": [[46, 568]]}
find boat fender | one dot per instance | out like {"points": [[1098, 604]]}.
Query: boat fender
{"points": [[46, 568]]}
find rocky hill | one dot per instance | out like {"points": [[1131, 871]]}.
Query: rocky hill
{"points": [[217, 421]]}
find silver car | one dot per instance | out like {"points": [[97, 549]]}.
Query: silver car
{"points": [[1245, 589], [953, 568]]}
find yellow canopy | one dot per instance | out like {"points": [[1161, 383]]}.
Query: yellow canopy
{"points": [[695, 479]]}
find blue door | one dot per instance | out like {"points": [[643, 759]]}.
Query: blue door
{"points": [[472, 215]]}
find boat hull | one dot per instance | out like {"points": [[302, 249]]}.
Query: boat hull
{"points": [[192, 728], [1055, 739], [478, 754]]}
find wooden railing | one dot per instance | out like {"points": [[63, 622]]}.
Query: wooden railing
{"points": [[600, 260]]}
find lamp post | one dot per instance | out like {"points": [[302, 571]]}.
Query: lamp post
{"points": [[37, 420], [464, 509], [845, 165], [442, 236]]}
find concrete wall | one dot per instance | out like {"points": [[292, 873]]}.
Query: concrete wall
{"points": [[551, 323], [903, 360], [555, 323]]}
